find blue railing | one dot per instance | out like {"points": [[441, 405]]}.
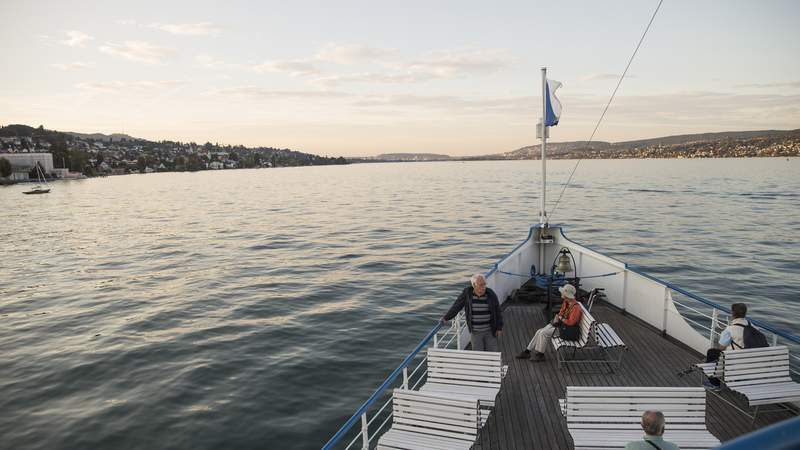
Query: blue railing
{"points": [[760, 324], [780, 436], [425, 341], [375, 395]]}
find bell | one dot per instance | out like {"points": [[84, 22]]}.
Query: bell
{"points": [[564, 265]]}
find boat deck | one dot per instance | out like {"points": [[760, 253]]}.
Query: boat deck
{"points": [[527, 414]]}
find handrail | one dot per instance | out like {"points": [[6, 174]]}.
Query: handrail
{"points": [[766, 326], [392, 376], [779, 436]]}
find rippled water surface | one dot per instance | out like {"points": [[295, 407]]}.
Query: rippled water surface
{"points": [[258, 308]]}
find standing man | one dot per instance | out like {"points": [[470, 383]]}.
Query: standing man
{"points": [[484, 319]]}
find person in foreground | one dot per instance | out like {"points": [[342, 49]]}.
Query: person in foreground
{"points": [[484, 319], [653, 426], [569, 315]]}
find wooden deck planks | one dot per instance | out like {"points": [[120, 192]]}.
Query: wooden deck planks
{"points": [[526, 414]]}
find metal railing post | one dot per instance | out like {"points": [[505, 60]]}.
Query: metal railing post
{"points": [[457, 325], [774, 339], [436, 340], [667, 298], [625, 289], [405, 377], [714, 324], [364, 432]]}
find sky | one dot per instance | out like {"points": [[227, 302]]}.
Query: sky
{"points": [[360, 78]]}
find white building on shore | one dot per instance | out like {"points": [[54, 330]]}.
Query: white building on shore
{"points": [[23, 163]]}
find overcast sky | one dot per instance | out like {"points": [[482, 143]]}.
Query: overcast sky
{"points": [[366, 77]]}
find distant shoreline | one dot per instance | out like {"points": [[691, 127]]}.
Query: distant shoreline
{"points": [[4, 182]]}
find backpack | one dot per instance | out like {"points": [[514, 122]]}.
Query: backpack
{"points": [[752, 337]]}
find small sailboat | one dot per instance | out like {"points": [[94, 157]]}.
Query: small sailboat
{"points": [[39, 189]]}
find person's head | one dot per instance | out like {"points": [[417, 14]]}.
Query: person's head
{"points": [[738, 310], [478, 283], [567, 292], [653, 423]]}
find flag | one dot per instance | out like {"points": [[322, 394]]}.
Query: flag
{"points": [[553, 106]]}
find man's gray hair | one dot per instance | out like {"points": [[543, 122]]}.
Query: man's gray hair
{"points": [[653, 423], [474, 279]]}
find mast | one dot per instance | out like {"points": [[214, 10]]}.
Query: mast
{"points": [[543, 131]]}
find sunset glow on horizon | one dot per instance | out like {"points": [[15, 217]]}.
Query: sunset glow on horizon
{"points": [[363, 78]]}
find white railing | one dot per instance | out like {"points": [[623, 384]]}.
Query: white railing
{"points": [[693, 320], [712, 320], [449, 337]]}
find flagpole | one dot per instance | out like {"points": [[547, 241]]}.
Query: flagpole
{"points": [[542, 211]]}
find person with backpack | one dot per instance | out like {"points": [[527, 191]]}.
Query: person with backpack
{"points": [[738, 335]]}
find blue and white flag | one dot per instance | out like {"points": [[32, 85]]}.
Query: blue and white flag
{"points": [[553, 106]]}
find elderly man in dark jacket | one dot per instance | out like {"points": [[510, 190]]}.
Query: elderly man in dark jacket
{"points": [[484, 319]]}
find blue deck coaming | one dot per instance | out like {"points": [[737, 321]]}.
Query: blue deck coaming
{"points": [[779, 436], [393, 376]]}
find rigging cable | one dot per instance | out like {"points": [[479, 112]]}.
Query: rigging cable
{"points": [[564, 188]]}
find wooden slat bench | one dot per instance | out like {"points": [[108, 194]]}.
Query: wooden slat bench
{"points": [[609, 417], [761, 375], [593, 336], [466, 374], [609, 341], [428, 421]]}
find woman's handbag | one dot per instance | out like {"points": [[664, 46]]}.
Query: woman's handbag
{"points": [[569, 332]]}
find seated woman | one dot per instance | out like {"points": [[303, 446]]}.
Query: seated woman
{"points": [[569, 314]]}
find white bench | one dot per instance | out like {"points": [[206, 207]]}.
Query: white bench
{"points": [[609, 417], [427, 421], [761, 375], [467, 374], [599, 335]]}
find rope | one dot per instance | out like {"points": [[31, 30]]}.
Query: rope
{"points": [[564, 188], [589, 276]]}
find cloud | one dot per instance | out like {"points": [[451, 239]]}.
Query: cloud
{"points": [[76, 39], [77, 65], [790, 84], [120, 86], [138, 51], [454, 63], [189, 29], [601, 76], [350, 54], [210, 62], [434, 65], [294, 67], [517, 105], [687, 110], [255, 92], [366, 77]]}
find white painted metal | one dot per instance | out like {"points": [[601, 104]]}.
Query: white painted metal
{"points": [[542, 210], [405, 377], [609, 417], [712, 337], [761, 375], [364, 432], [422, 420], [475, 375]]}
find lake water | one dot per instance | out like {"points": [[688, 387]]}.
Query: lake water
{"points": [[257, 309]]}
